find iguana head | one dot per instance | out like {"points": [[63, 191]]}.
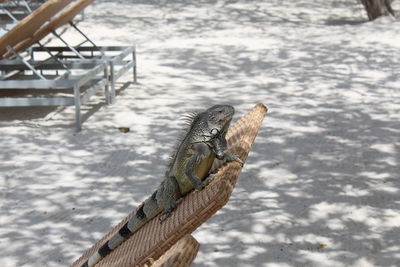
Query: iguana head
{"points": [[212, 123], [219, 118]]}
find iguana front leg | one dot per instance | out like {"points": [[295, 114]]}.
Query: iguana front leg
{"points": [[198, 164], [219, 147], [193, 166]]}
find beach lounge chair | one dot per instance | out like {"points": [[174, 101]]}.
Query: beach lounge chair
{"points": [[152, 240], [119, 58], [81, 76]]}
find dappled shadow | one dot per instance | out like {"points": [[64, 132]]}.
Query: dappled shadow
{"points": [[40, 115], [320, 187], [24, 113], [339, 22]]}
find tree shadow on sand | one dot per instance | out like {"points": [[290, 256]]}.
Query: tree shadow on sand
{"points": [[320, 186]]}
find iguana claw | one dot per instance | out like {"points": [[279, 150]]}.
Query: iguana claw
{"points": [[232, 157]]}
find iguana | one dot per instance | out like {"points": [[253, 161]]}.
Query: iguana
{"points": [[189, 167]]}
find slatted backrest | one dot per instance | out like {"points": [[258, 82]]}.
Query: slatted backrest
{"points": [[31, 24], [63, 18], [66, 16]]}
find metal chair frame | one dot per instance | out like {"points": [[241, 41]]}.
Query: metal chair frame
{"points": [[80, 70]]}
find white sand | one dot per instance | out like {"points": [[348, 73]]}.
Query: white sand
{"points": [[321, 185]]}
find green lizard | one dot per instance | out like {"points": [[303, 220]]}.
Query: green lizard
{"points": [[190, 165]]}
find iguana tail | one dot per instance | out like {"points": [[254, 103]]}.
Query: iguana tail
{"points": [[164, 199], [148, 210]]}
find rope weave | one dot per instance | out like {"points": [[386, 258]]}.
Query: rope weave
{"points": [[155, 238]]}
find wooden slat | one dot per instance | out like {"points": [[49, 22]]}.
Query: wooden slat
{"points": [[30, 24], [64, 18]]}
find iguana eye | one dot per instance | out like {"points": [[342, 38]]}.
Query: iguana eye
{"points": [[214, 132]]}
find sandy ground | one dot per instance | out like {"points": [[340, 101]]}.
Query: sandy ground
{"points": [[321, 185]]}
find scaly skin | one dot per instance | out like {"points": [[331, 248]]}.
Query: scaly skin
{"points": [[189, 168], [204, 142]]}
